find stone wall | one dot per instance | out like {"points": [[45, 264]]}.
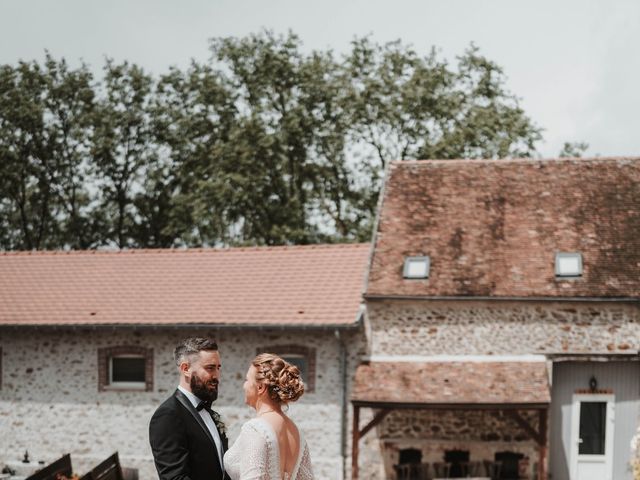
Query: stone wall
{"points": [[482, 433], [425, 328], [50, 403], [504, 328], [446, 425]]}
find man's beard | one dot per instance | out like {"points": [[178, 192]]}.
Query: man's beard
{"points": [[204, 390]]}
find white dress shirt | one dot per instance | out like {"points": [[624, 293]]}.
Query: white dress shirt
{"points": [[208, 421]]}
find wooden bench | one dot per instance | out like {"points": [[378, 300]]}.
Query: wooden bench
{"points": [[59, 468], [109, 469]]}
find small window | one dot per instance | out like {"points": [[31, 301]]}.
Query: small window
{"points": [[568, 265], [416, 267], [302, 357], [299, 361], [127, 371], [125, 368]]}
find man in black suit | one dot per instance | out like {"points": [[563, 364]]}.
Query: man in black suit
{"points": [[187, 438]]}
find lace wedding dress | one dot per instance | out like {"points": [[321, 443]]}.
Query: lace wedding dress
{"points": [[255, 455]]}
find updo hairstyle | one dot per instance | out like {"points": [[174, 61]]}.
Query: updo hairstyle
{"points": [[283, 380]]}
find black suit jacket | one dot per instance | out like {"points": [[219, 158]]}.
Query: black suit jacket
{"points": [[182, 446]]}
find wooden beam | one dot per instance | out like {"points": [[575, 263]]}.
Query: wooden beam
{"points": [[354, 442], [358, 434], [522, 423], [376, 420], [451, 406], [542, 452]]}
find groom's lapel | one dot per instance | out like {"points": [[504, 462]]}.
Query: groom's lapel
{"points": [[189, 406], [223, 436]]}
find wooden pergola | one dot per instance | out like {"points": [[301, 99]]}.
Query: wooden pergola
{"points": [[507, 387]]}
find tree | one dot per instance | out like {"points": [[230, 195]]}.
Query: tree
{"points": [[122, 148], [44, 131], [25, 182], [69, 104], [403, 106], [573, 149], [264, 144], [269, 172], [193, 114]]}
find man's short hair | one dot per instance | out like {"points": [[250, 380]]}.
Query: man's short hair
{"points": [[192, 346]]}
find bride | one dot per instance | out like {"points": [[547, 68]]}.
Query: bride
{"points": [[270, 446]]}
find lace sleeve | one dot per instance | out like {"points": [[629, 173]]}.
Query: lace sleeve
{"points": [[305, 472], [247, 459]]}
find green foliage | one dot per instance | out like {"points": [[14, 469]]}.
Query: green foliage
{"points": [[264, 144], [123, 148], [44, 142], [573, 149]]}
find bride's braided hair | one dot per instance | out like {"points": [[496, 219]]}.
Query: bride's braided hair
{"points": [[282, 379]]}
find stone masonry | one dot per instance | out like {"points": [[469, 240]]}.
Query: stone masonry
{"points": [[50, 403], [502, 328], [429, 328]]}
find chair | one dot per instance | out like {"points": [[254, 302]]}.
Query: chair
{"points": [[510, 464], [442, 469], [402, 471], [457, 458], [463, 469], [422, 470], [412, 471], [470, 469], [475, 468], [493, 469], [109, 469], [61, 467]]}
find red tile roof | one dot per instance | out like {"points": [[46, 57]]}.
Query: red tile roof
{"points": [[451, 383], [492, 228], [298, 285]]}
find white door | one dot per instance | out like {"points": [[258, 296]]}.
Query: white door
{"points": [[592, 422]]}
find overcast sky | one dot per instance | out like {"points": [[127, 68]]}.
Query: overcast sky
{"points": [[575, 64]]}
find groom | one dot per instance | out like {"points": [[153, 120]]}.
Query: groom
{"points": [[187, 438]]}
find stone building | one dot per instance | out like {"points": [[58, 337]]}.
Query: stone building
{"points": [[86, 342], [503, 321], [499, 329]]}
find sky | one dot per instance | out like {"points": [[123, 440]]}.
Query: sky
{"points": [[574, 64]]}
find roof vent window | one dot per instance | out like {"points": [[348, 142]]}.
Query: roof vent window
{"points": [[416, 267], [568, 265]]}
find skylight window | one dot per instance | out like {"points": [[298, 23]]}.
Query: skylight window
{"points": [[568, 265], [416, 267]]}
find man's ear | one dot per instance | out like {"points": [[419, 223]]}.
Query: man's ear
{"points": [[184, 367]]}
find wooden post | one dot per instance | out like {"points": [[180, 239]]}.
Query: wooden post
{"points": [[542, 445], [355, 440]]}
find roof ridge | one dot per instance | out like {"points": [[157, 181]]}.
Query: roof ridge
{"points": [[514, 160], [185, 251]]}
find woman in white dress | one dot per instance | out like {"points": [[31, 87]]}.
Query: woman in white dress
{"points": [[270, 446]]}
